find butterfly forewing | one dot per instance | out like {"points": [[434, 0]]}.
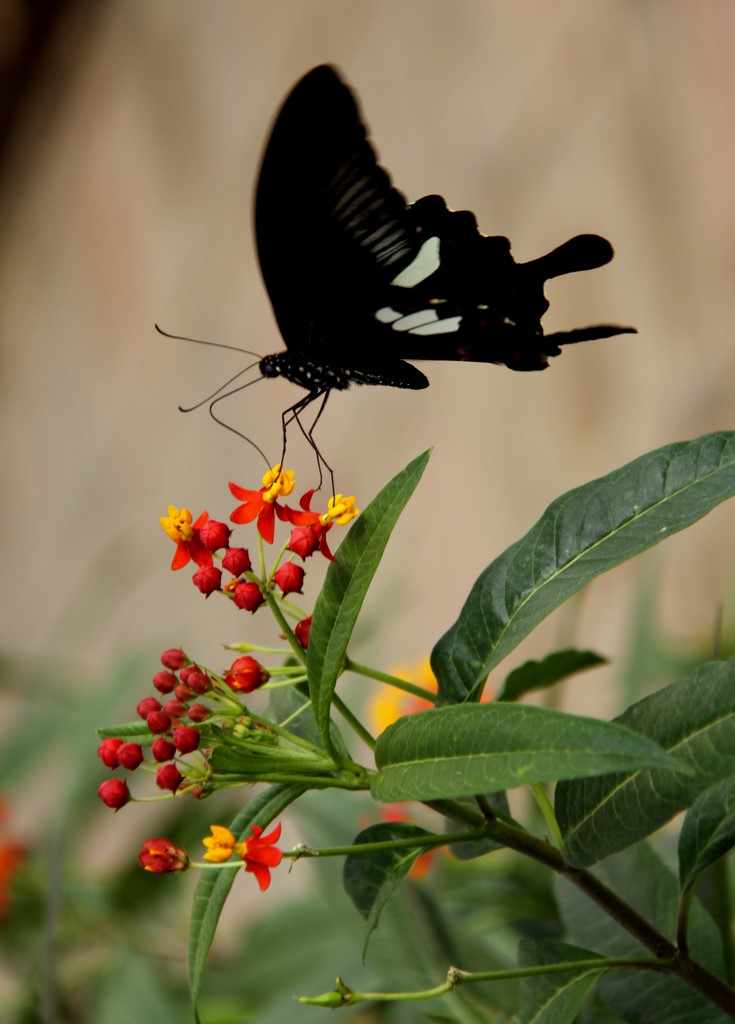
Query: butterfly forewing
{"points": [[331, 230]]}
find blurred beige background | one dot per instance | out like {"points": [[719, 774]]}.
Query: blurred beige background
{"points": [[126, 200]]}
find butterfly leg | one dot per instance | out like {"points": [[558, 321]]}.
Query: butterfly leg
{"points": [[309, 435], [293, 413]]}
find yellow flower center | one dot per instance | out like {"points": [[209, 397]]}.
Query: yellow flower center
{"points": [[340, 510], [177, 524], [277, 481], [219, 845]]}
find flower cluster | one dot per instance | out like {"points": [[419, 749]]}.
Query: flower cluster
{"points": [[193, 733], [173, 726], [204, 540], [258, 853]]}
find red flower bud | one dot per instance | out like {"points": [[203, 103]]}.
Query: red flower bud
{"points": [[248, 596], [186, 739], [107, 751], [175, 708], [168, 776], [164, 682], [304, 541], [114, 793], [195, 679], [158, 721], [162, 750], [289, 578], [214, 535], [182, 692], [130, 755], [199, 713], [237, 561], [161, 856], [174, 659], [302, 630], [147, 705], [208, 578], [246, 674]]}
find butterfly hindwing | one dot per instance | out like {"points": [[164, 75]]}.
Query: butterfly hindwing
{"points": [[361, 281]]}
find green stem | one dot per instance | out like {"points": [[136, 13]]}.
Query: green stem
{"points": [[722, 912], [682, 920], [427, 842], [515, 838], [344, 996], [547, 810], [396, 681], [353, 721], [288, 633]]}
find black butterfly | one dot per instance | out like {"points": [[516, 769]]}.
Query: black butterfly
{"points": [[361, 281]]}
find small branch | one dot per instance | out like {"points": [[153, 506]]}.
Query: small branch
{"points": [[345, 996]]}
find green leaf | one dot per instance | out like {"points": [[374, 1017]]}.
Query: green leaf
{"points": [[582, 534], [539, 675], [707, 832], [370, 879], [346, 585], [640, 878], [214, 886], [478, 748], [554, 998], [694, 719]]}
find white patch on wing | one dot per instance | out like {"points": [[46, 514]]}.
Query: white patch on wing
{"points": [[387, 315], [417, 319], [446, 326], [424, 264]]}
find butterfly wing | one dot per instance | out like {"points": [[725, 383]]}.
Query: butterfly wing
{"points": [[331, 230], [359, 280]]}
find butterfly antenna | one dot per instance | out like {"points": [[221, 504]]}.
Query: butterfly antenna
{"points": [[211, 344], [213, 396]]}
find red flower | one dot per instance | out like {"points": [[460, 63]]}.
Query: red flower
{"points": [[160, 856], [178, 525], [302, 630], [195, 679], [130, 756], [175, 708], [186, 739], [289, 578], [162, 749], [158, 722], [146, 705], [199, 712], [107, 751], [174, 659], [237, 561], [305, 540], [248, 596], [165, 682], [311, 529], [208, 578], [260, 855], [263, 505], [114, 793], [258, 852], [214, 535], [168, 776], [11, 856], [246, 674]]}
